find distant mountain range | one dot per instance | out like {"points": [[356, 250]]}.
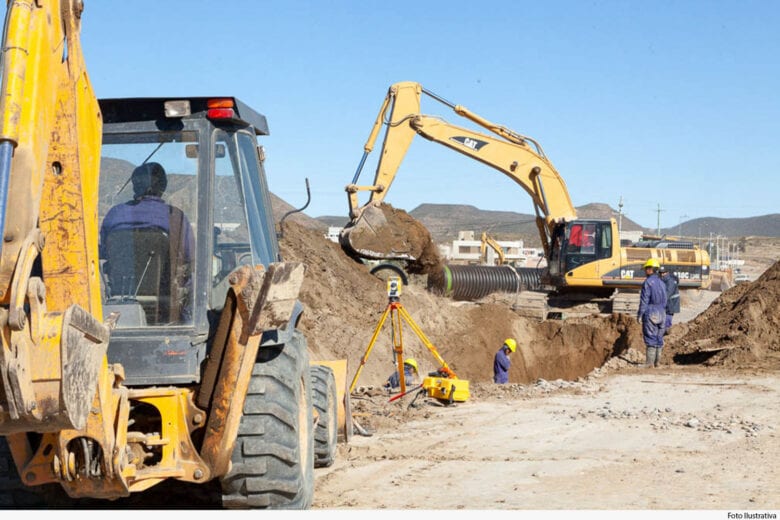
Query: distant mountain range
{"points": [[444, 221]]}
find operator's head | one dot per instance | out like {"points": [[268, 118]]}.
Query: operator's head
{"points": [[662, 270], [149, 179], [511, 344], [410, 362], [651, 264]]}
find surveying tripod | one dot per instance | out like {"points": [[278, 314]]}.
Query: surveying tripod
{"points": [[396, 311]]}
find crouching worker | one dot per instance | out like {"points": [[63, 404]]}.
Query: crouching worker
{"points": [[410, 376]]}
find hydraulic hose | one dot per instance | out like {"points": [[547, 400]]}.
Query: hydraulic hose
{"points": [[6, 153]]}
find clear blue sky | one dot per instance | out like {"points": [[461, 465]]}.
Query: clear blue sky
{"points": [[670, 103]]}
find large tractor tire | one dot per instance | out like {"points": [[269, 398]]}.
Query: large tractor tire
{"points": [[273, 459], [325, 400]]}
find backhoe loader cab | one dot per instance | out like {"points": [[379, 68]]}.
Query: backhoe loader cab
{"points": [[166, 254]]}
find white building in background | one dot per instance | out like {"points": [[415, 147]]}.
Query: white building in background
{"points": [[333, 233], [466, 249], [632, 236]]}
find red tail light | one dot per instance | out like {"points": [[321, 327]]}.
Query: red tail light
{"points": [[221, 113], [220, 108]]}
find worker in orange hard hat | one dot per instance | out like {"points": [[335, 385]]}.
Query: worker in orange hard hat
{"points": [[501, 362]]}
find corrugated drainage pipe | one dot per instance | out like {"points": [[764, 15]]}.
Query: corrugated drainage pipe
{"points": [[472, 282]]}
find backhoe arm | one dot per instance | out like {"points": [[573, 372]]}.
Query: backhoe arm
{"points": [[53, 368]]}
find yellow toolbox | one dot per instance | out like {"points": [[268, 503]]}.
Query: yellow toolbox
{"points": [[446, 389]]}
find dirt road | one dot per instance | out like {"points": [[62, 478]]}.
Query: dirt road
{"points": [[674, 438]]}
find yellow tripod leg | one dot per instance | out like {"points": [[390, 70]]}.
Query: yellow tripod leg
{"points": [[405, 314], [398, 344], [368, 349]]}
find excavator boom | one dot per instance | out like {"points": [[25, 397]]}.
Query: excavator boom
{"points": [[518, 157]]}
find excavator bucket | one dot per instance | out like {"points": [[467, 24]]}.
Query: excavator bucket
{"points": [[384, 233]]}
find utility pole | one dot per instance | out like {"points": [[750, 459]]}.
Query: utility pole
{"points": [[679, 227], [659, 219], [620, 217]]}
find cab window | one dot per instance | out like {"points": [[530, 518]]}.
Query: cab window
{"points": [[146, 211]]}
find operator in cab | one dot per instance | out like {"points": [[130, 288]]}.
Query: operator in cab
{"points": [[148, 210]]}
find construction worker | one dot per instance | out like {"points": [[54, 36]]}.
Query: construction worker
{"points": [[148, 210], [672, 283], [410, 376], [652, 313], [501, 362]]}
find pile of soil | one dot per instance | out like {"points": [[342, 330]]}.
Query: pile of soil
{"points": [[739, 329], [344, 304]]}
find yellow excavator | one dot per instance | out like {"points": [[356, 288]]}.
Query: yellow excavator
{"points": [[485, 242], [133, 361], [585, 261]]}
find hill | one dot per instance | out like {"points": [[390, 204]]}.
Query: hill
{"points": [[763, 226], [445, 220]]}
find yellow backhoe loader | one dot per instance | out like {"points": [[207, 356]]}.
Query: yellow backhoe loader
{"points": [[132, 357], [585, 261]]}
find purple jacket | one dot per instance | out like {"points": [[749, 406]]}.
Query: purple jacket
{"points": [[652, 311], [501, 364], [150, 211]]}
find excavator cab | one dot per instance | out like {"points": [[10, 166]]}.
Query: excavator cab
{"points": [[579, 245], [166, 255]]}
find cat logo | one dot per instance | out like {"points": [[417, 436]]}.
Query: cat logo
{"points": [[469, 142]]}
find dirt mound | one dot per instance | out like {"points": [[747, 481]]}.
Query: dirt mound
{"points": [[739, 328], [384, 232], [344, 304]]}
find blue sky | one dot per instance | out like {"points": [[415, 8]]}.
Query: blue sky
{"points": [[664, 103]]}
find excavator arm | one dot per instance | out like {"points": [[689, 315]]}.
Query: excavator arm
{"points": [[518, 157], [488, 241]]}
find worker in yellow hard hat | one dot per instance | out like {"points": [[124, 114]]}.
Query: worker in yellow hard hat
{"points": [[410, 375], [652, 313], [501, 362]]}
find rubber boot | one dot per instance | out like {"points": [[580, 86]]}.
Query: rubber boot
{"points": [[649, 358], [657, 360]]}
